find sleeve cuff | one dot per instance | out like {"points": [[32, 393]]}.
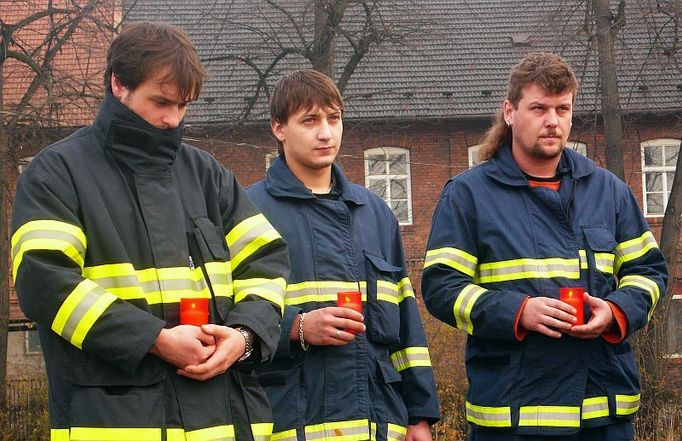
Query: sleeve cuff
{"points": [[617, 332], [284, 344], [519, 331]]}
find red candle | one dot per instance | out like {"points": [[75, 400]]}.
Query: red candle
{"points": [[193, 311], [351, 300], [574, 297]]}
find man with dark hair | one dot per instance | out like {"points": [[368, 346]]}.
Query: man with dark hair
{"points": [[507, 236], [117, 225], [339, 373]]}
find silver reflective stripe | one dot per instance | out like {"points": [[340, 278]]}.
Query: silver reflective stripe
{"points": [[49, 235], [389, 289], [647, 239], [79, 312], [463, 305], [450, 256], [248, 237], [536, 268], [595, 407], [333, 433], [549, 416]]}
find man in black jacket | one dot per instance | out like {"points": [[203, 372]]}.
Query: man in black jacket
{"points": [[111, 228]]}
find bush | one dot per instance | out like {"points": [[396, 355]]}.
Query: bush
{"points": [[26, 416]]}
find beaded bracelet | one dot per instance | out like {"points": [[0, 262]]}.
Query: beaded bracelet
{"points": [[304, 345]]}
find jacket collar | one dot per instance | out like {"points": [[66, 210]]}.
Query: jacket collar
{"points": [[281, 182], [503, 168], [133, 140]]}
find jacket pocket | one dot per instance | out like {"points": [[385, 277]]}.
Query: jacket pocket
{"points": [[600, 255], [283, 388], [105, 396], [382, 316], [389, 403]]}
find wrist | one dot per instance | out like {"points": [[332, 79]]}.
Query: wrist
{"points": [[249, 339]]}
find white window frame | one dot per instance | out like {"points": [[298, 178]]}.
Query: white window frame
{"points": [[576, 146], [270, 159], [663, 169], [385, 151], [473, 155], [22, 163]]}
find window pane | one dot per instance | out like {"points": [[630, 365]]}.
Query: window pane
{"points": [[671, 153], [397, 164], [654, 181], [675, 327], [376, 164], [398, 189], [400, 210], [32, 342], [378, 187], [669, 176], [654, 203], [653, 155]]}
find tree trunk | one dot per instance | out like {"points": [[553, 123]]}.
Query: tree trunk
{"points": [[328, 16], [610, 101], [4, 248]]}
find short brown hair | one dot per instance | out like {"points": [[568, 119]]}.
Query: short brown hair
{"points": [[302, 89], [548, 71], [143, 49]]}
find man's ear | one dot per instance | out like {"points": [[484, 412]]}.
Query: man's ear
{"points": [[118, 89], [278, 130]]}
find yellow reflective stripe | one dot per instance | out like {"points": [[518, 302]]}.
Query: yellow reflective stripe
{"points": [[627, 404], [634, 248], [645, 284], [249, 236], [48, 235], [410, 357], [387, 291], [595, 407], [516, 269], [604, 262], [216, 433], [452, 257], [373, 431], [582, 254], [396, 432], [405, 288], [464, 304], [175, 435], [79, 311], [261, 431], [549, 416], [355, 430], [488, 416], [117, 434], [59, 434], [320, 291], [287, 435], [161, 285], [271, 290]]}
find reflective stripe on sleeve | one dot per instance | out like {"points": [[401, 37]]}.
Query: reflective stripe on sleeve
{"points": [[405, 288], [627, 404], [486, 416], [595, 407], [464, 304], [271, 290], [114, 434], [249, 236], [549, 416], [320, 291], [452, 257], [647, 285], [48, 235], [410, 357], [517, 269], [633, 249], [604, 262], [396, 432], [387, 292], [354, 430], [287, 435], [80, 310]]}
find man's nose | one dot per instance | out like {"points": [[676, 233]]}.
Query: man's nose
{"points": [[171, 119], [552, 119], [325, 131]]}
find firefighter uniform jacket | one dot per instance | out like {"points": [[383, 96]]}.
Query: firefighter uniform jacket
{"points": [[372, 387], [111, 227], [496, 240]]}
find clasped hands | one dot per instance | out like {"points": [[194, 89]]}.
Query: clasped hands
{"points": [[552, 317], [202, 352]]}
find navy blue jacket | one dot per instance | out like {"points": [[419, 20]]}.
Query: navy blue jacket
{"points": [[383, 379], [496, 240]]}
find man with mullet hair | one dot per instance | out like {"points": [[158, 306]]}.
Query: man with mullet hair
{"points": [[507, 235], [339, 373], [117, 223]]}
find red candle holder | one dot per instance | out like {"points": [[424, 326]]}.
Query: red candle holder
{"points": [[193, 311], [351, 300], [574, 297]]}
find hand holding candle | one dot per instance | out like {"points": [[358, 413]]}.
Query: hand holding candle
{"points": [[193, 311], [574, 297], [351, 300]]}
